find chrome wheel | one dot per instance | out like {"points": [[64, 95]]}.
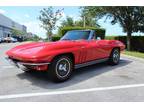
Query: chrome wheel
{"points": [[63, 67], [116, 56]]}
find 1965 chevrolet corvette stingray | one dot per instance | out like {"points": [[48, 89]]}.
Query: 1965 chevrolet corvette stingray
{"points": [[77, 48]]}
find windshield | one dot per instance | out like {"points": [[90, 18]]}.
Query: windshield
{"points": [[76, 35]]}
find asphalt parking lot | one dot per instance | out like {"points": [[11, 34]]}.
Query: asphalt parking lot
{"points": [[100, 82]]}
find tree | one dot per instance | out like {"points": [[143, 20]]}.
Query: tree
{"points": [[131, 18], [87, 19], [15, 32], [67, 22], [79, 23], [48, 19]]}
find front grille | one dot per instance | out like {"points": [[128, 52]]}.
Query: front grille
{"points": [[13, 59], [17, 60]]}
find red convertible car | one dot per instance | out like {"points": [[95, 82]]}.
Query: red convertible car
{"points": [[77, 48]]}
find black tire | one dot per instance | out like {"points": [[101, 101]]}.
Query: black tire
{"points": [[60, 69], [114, 57]]}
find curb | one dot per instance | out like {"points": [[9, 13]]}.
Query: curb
{"points": [[132, 57]]}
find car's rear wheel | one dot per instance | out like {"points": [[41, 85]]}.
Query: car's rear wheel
{"points": [[114, 56], [61, 68]]}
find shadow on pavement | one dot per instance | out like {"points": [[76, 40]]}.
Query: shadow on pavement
{"points": [[39, 78]]}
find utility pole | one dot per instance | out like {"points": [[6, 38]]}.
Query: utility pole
{"points": [[84, 21]]}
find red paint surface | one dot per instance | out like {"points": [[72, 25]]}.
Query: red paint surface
{"points": [[82, 50]]}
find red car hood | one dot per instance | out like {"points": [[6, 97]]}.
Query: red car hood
{"points": [[37, 50]]}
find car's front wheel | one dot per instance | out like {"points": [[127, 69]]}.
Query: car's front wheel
{"points": [[114, 56], [61, 68]]}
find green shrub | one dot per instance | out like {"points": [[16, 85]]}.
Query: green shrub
{"points": [[56, 38], [32, 39], [110, 37], [137, 42], [99, 31]]}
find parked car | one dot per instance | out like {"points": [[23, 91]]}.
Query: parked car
{"points": [[10, 39], [18, 38], [13, 40], [0, 40], [7, 39], [77, 48]]}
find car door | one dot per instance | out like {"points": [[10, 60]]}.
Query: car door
{"points": [[103, 48], [93, 50], [89, 51], [99, 48]]}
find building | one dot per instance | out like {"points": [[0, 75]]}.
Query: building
{"points": [[30, 35], [6, 25]]}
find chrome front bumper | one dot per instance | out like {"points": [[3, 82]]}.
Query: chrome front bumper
{"points": [[23, 65]]}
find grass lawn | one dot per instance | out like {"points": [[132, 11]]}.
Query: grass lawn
{"points": [[135, 54]]}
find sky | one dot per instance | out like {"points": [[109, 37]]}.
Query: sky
{"points": [[28, 16]]}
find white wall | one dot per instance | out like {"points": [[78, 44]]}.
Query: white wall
{"points": [[7, 22], [1, 33]]}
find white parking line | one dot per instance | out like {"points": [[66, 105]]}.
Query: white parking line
{"points": [[70, 91], [7, 67]]}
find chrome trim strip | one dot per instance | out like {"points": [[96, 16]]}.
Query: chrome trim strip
{"points": [[33, 64], [23, 63], [90, 63]]}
